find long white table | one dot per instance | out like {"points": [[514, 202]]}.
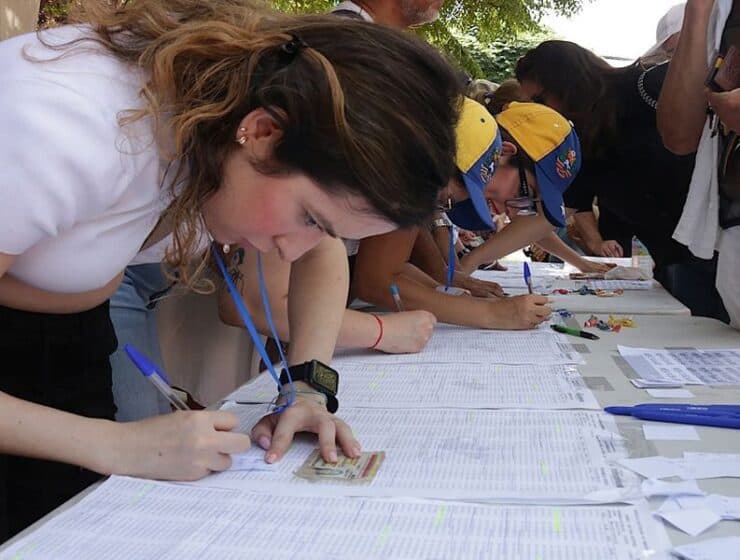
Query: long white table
{"points": [[656, 301], [608, 377]]}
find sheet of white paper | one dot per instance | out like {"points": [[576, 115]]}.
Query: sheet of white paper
{"points": [[726, 507], [711, 549], [711, 465], [130, 518], [458, 345], [653, 487], [670, 432], [448, 386], [618, 284], [644, 384], [670, 393], [698, 367], [691, 466], [507, 455], [693, 521], [654, 467]]}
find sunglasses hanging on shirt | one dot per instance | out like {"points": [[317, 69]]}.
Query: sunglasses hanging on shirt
{"points": [[525, 204]]}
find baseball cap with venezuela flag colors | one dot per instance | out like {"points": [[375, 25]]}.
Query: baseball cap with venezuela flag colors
{"points": [[552, 144], [478, 151]]}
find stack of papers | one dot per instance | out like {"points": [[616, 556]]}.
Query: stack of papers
{"points": [[129, 518], [465, 346], [491, 455], [697, 367]]}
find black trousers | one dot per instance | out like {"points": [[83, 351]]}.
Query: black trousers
{"points": [[60, 361]]}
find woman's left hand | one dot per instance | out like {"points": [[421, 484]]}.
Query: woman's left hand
{"points": [[477, 287], [275, 432]]}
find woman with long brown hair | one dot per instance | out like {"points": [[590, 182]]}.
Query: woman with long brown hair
{"points": [[641, 187], [174, 123]]}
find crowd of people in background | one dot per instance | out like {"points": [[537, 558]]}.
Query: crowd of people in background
{"points": [[371, 169]]}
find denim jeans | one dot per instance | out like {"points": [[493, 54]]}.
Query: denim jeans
{"points": [[133, 315]]}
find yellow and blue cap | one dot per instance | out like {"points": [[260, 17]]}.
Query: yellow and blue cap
{"points": [[551, 142], [478, 150]]}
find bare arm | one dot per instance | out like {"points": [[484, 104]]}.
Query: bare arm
{"points": [[681, 111], [418, 291], [402, 332], [319, 282], [182, 446], [589, 230], [521, 232]]}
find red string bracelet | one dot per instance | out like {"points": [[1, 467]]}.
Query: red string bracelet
{"points": [[380, 336]]}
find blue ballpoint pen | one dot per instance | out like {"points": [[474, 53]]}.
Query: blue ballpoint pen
{"points": [[528, 277], [156, 376]]}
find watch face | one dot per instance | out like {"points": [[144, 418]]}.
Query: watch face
{"points": [[325, 377]]}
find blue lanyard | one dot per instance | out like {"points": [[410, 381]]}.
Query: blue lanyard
{"points": [[450, 260], [249, 324]]}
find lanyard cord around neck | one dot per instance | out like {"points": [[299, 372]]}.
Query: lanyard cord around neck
{"points": [[249, 324]]}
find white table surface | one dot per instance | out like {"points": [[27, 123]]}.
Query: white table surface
{"points": [[656, 301], [608, 377]]}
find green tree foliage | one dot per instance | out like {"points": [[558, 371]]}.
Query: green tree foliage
{"points": [[496, 60], [483, 37]]}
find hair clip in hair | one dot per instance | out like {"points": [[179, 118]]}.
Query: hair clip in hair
{"points": [[291, 48]]}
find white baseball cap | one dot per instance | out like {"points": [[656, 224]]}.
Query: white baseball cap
{"points": [[668, 25]]}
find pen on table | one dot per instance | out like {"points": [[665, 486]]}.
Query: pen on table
{"points": [[708, 409], [574, 332], [721, 416], [396, 297], [156, 376], [528, 277]]}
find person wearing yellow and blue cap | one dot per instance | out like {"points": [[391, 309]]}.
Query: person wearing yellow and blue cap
{"points": [[385, 259], [522, 164]]}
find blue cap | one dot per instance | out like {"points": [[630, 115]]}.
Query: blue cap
{"points": [[478, 149]]}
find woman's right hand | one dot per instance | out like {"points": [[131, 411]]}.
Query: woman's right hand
{"points": [[609, 248], [406, 332], [184, 445], [518, 312]]}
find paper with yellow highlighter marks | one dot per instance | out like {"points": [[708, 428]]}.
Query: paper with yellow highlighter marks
{"points": [[516, 456], [361, 470]]}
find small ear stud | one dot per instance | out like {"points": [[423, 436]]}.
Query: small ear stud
{"points": [[242, 140]]}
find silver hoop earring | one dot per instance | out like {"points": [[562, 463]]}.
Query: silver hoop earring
{"points": [[226, 248]]}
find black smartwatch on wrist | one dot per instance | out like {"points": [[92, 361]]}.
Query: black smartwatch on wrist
{"points": [[319, 376]]}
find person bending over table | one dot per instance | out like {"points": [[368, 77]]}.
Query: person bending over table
{"points": [[200, 119], [394, 333], [383, 260], [640, 185], [538, 159]]}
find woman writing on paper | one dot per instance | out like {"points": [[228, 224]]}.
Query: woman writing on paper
{"points": [[197, 119]]}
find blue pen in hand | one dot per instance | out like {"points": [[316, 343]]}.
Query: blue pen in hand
{"points": [[156, 376], [528, 277]]}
